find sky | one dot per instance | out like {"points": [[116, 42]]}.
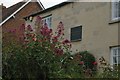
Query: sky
{"points": [[46, 3]]}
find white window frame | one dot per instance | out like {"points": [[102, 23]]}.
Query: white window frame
{"points": [[48, 20], [113, 55], [115, 10]]}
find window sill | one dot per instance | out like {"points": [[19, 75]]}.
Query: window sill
{"points": [[76, 40], [114, 21]]}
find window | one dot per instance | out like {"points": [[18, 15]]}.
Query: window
{"points": [[76, 33], [116, 10], [115, 55], [47, 20]]}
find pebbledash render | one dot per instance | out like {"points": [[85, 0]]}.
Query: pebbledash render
{"points": [[91, 26]]}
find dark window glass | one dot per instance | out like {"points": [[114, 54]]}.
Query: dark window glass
{"points": [[76, 33]]}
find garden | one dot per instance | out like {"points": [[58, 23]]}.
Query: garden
{"points": [[45, 54]]}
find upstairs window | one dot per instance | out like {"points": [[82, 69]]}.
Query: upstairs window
{"points": [[115, 9], [76, 33], [115, 55], [48, 20]]}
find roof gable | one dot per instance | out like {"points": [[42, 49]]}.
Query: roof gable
{"points": [[11, 11]]}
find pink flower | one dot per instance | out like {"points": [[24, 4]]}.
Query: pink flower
{"points": [[61, 26], [67, 43], [60, 29], [45, 31]]}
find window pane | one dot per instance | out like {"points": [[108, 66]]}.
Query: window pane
{"points": [[48, 21], [45, 20], [114, 60], [114, 52], [116, 9], [76, 33]]}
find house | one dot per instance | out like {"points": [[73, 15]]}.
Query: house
{"points": [[12, 16], [91, 26]]}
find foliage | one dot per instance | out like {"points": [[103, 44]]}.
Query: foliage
{"points": [[107, 71], [40, 56], [89, 63]]}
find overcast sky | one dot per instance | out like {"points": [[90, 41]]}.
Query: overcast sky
{"points": [[46, 3]]}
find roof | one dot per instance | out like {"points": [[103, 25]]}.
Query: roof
{"points": [[12, 10], [49, 9]]}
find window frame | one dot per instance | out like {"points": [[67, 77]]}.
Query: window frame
{"points": [[115, 16], [80, 34], [113, 55], [48, 17]]}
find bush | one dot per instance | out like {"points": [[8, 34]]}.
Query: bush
{"points": [[89, 63], [106, 70], [89, 60], [40, 56]]}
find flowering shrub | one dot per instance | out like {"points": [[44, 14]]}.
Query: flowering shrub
{"points": [[88, 62], [41, 55], [107, 71]]}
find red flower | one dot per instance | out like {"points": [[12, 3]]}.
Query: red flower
{"points": [[94, 63], [65, 41], [45, 31], [81, 63]]}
